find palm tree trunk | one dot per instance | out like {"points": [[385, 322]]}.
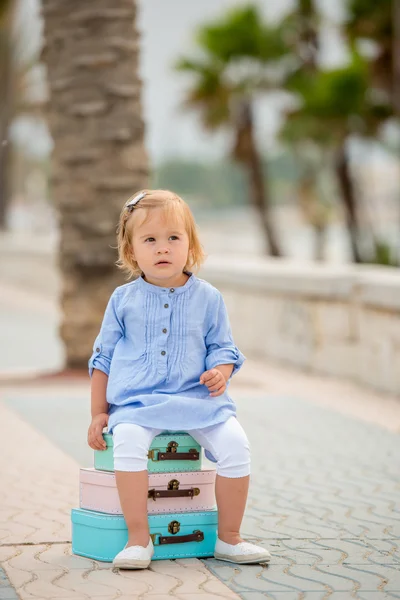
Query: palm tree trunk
{"points": [[246, 152], [261, 198], [91, 53], [396, 57], [348, 199], [319, 242], [309, 38], [6, 14], [4, 176]]}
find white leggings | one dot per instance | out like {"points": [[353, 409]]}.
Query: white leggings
{"points": [[227, 442]]}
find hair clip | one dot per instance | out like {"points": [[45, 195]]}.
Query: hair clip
{"points": [[132, 203]]}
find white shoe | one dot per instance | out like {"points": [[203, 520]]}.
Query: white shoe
{"points": [[243, 553], [134, 557]]}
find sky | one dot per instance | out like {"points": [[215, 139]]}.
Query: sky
{"points": [[167, 29]]}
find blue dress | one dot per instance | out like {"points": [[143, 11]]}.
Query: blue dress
{"points": [[154, 344]]}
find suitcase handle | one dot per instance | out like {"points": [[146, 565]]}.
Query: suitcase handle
{"points": [[196, 536], [191, 492], [191, 455]]}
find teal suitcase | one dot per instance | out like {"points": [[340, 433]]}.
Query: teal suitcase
{"points": [[169, 453], [179, 535]]}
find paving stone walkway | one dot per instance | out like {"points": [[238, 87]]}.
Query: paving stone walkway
{"points": [[324, 498], [39, 487]]}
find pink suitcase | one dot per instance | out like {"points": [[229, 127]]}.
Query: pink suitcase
{"points": [[168, 492]]}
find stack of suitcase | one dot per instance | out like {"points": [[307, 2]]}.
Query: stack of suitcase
{"points": [[181, 503]]}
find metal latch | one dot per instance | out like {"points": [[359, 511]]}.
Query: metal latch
{"points": [[174, 527], [172, 446]]}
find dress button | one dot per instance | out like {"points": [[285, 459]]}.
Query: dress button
{"points": [[166, 305], [97, 349], [172, 290], [163, 352], [164, 331]]}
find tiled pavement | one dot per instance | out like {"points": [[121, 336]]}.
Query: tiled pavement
{"points": [[325, 492], [39, 487], [324, 498]]}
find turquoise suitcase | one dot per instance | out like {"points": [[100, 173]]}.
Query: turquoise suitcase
{"points": [[169, 453], [179, 535]]}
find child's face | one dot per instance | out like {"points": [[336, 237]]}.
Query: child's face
{"points": [[160, 247]]}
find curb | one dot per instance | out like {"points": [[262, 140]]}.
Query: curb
{"points": [[37, 376]]}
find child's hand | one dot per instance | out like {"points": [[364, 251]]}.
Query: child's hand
{"points": [[215, 382], [95, 432]]}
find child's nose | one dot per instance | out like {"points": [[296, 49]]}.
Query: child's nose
{"points": [[163, 250]]}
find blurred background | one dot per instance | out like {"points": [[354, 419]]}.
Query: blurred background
{"points": [[277, 121]]}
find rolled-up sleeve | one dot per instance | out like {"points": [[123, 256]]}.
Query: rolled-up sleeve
{"points": [[110, 332], [221, 349]]}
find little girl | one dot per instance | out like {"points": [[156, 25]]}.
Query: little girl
{"points": [[162, 362]]}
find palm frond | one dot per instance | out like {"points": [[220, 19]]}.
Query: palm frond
{"points": [[242, 33]]}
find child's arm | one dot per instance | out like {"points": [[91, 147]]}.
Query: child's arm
{"points": [[99, 410], [99, 368], [112, 329], [99, 402], [223, 357]]}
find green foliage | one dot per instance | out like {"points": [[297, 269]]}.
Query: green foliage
{"points": [[335, 92], [370, 19], [301, 33], [242, 55], [234, 55], [221, 184], [384, 254], [209, 93], [210, 185], [333, 104], [373, 20], [242, 33]]}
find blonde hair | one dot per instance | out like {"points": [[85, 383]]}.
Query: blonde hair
{"points": [[173, 206]]}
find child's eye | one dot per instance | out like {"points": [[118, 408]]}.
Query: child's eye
{"points": [[150, 239], [173, 237]]}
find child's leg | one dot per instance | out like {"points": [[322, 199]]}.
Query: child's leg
{"points": [[229, 445], [131, 446], [132, 491], [231, 497]]}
